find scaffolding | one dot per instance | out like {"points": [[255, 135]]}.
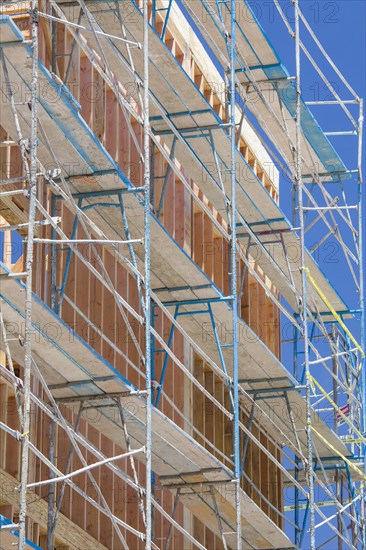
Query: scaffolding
{"points": [[318, 443]]}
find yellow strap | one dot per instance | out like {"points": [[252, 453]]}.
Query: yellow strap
{"points": [[318, 504], [350, 464], [360, 435], [311, 381], [333, 311]]}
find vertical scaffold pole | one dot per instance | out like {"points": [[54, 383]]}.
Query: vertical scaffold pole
{"points": [[234, 284], [28, 290], [147, 278], [303, 305], [361, 206]]}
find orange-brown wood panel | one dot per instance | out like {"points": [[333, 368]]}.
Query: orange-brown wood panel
{"points": [[95, 303], [60, 50], [121, 494], [108, 308], [64, 446], [39, 442], [3, 416], [228, 428], [34, 414], [72, 59], [120, 332], [198, 242], [180, 214], [225, 260], [208, 247], [168, 386], [277, 338], [123, 145], [7, 511], [178, 387], [245, 297], [92, 515], [86, 90], [253, 304], [78, 501], [81, 299], [68, 312], [272, 485], [218, 275], [199, 530], [209, 428], [107, 535], [111, 135], [12, 446], [134, 163], [219, 417], [198, 399], [262, 319], [280, 497], [157, 178], [269, 326], [100, 112], [169, 201], [131, 333], [256, 465], [248, 445], [264, 475]]}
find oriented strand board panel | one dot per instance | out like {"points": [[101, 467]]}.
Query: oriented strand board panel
{"points": [[82, 154], [177, 278], [84, 372], [258, 54], [9, 541], [183, 280], [72, 367], [196, 154], [67, 532], [9, 33], [257, 362], [255, 533], [59, 119]]}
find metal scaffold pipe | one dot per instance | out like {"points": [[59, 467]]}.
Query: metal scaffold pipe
{"points": [[234, 283], [28, 290], [312, 451], [147, 304], [303, 305], [361, 205]]}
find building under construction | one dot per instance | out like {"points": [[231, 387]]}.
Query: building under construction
{"points": [[177, 371]]}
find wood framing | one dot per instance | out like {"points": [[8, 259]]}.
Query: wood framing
{"points": [[196, 229]]}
